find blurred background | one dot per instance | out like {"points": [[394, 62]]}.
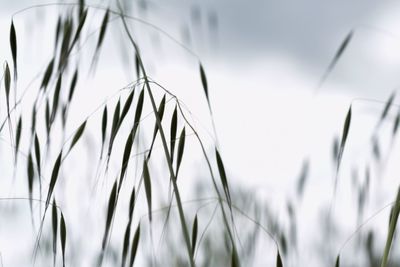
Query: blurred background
{"points": [[276, 125]]}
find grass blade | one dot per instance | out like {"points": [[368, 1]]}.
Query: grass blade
{"points": [[147, 186], [138, 114], [54, 220], [31, 176], [181, 147], [160, 111], [64, 51], [194, 234], [37, 154], [63, 237], [7, 82], [125, 159], [135, 243], [279, 260], [81, 8], [73, 85], [126, 108], [82, 20], [222, 175], [204, 82], [132, 204], [139, 108], [33, 120], [64, 113], [57, 33], [392, 227], [137, 66], [54, 176], [13, 45], [78, 135], [47, 75], [103, 29], [47, 117], [103, 128], [234, 260], [56, 99], [396, 124], [303, 177], [110, 213], [125, 246], [337, 264], [336, 57], [18, 138], [114, 127], [345, 133], [387, 107], [174, 122]]}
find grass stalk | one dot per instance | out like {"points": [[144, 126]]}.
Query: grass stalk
{"points": [[165, 147]]}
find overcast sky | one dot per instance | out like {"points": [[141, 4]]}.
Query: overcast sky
{"points": [[263, 59]]}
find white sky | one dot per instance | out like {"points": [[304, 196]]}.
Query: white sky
{"points": [[263, 64]]}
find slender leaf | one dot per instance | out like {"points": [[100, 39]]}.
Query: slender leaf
{"points": [[7, 81], [139, 108], [114, 126], [387, 106], [78, 135], [47, 116], [13, 45], [110, 214], [18, 136], [125, 158], [81, 8], [126, 108], [103, 29], [222, 174], [345, 133], [63, 237], [126, 244], [279, 260], [147, 186], [37, 154], [396, 124], [135, 243], [132, 203], [394, 215], [160, 112], [54, 220], [303, 177], [234, 260], [58, 31], [194, 234], [116, 117], [336, 57], [33, 120], [73, 85], [137, 66], [174, 122], [64, 51], [82, 20], [54, 177], [56, 99], [31, 175], [64, 109], [104, 125], [204, 82], [47, 74], [181, 147]]}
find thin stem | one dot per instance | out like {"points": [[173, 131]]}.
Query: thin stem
{"points": [[164, 142]]}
